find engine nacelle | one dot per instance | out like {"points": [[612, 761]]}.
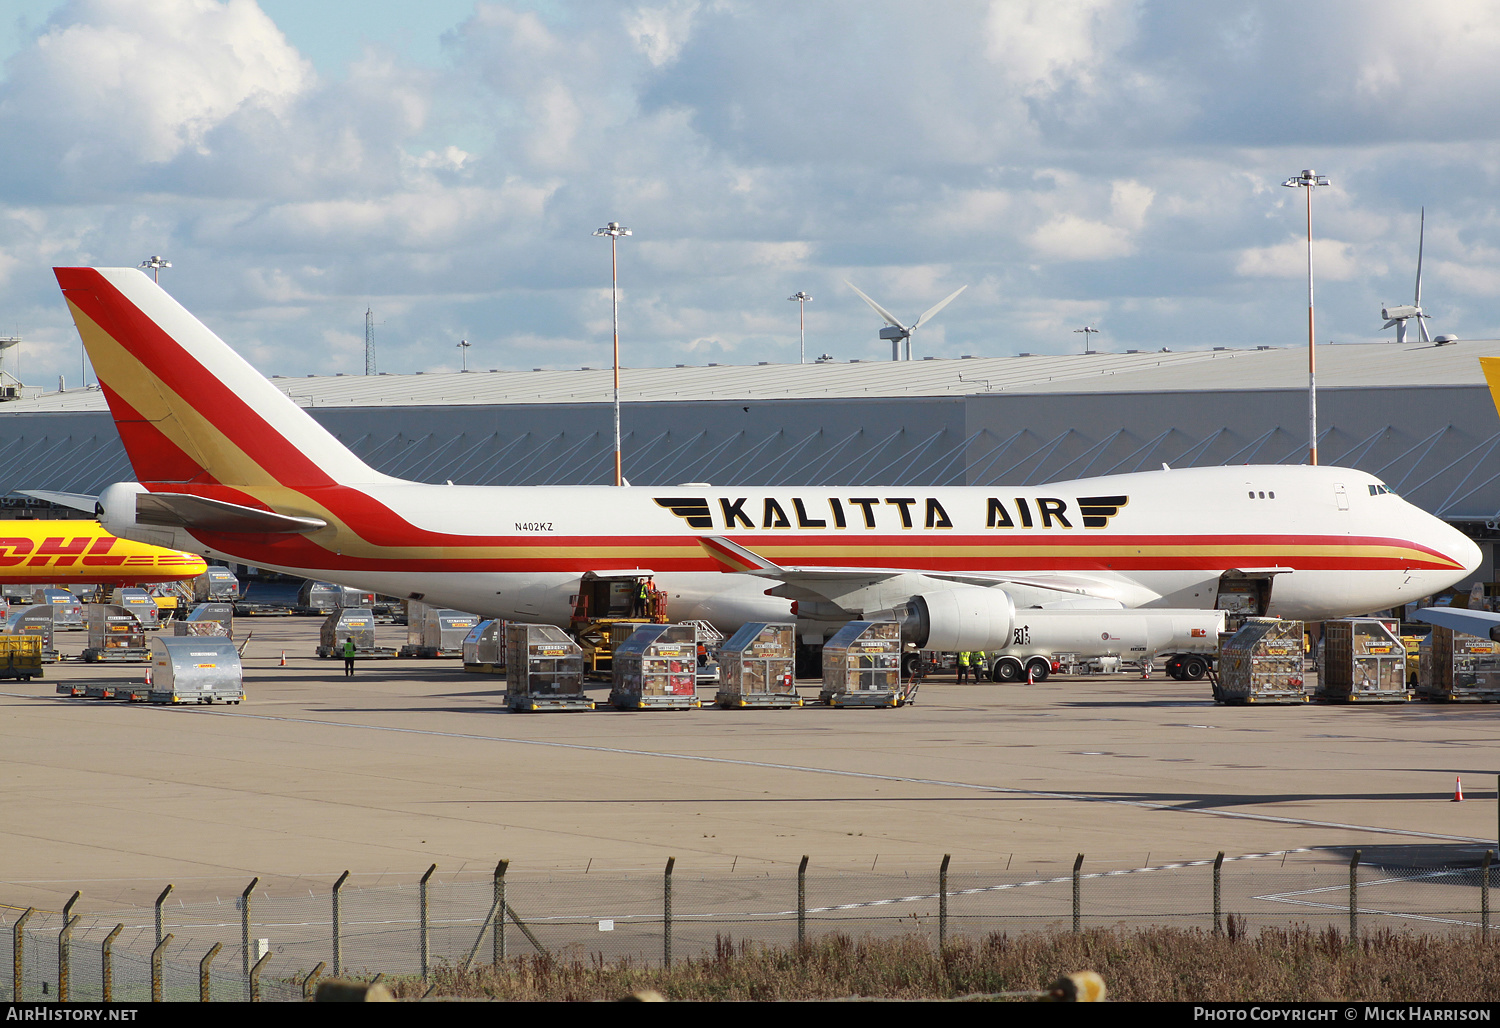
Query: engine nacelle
{"points": [[958, 619], [116, 510]]}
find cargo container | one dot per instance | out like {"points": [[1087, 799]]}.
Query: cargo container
{"points": [[544, 670], [324, 598], [357, 623], [223, 613], [436, 631], [1363, 662], [216, 585], [1263, 663], [1458, 667], [756, 667], [140, 603], [484, 648], [34, 620], [656, 669], [862, 666], [67, 609], [200, 629], [195, 670], [116, 635]]}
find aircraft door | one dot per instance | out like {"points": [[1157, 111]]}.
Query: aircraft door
{"points": [[1244, 594]]}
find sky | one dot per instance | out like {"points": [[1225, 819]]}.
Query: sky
{"points": [[1110, 163]]}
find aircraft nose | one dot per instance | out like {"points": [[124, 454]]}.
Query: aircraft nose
{"points": [[1458, 547]]}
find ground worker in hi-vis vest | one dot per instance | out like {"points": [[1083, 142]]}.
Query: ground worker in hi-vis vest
{"points": [[963, 667], [980, 664]]}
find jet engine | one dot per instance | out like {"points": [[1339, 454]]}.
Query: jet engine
{"points": [[962, 618]]}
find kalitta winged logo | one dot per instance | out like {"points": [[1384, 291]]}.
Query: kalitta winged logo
{"points": [[896, 512], [1097, 510]]}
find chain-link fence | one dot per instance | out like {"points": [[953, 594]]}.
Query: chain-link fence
{"points": [[674, 913]]}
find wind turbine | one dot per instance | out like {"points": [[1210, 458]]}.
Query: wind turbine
{"points": [[898, 332], [1398, 316]]}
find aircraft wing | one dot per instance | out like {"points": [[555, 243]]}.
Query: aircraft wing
{"points": [[741, 560], [1473, 622]]}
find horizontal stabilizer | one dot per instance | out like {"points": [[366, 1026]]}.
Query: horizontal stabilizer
{"points": [[78, 501], [182, 510]]}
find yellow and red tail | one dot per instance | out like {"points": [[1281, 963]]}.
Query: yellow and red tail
{"points": [[189, 409]]}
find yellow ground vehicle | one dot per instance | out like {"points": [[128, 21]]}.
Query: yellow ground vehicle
{"points": [[21, 657]]}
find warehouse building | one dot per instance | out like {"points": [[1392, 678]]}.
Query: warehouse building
{"points": [[1418, 415]]}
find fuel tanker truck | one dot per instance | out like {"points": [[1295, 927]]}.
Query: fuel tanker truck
{"points": [[1188, 638]]}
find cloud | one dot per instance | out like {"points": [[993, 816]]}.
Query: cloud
{"points": [[1070, 236], [661, 32], [1332, 259], [111, 82], [1082, 160], [1041, 44]]}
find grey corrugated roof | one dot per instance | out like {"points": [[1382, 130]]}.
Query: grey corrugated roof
{"points": [[1339, 365]]}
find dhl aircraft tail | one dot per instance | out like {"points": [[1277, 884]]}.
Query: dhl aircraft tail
{"points": [[189, 409], [1491, 368]]}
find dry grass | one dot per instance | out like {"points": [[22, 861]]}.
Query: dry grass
{"points": [[1150, 965]]}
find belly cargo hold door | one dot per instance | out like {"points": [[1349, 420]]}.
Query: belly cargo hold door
{"points": [[1246, 592]]}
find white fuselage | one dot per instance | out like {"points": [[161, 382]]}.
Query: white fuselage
{"points": [[1336, 540]]}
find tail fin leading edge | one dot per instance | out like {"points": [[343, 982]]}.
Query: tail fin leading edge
{"points": [[189, 409]]}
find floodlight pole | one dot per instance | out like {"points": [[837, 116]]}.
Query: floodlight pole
{"points": [[156, 263], [463, 353], [801, 298], [615, 230], [1086, 330], [1310, 180]]}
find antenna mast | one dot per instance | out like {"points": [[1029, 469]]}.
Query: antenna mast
{"points": [[369, 342]]}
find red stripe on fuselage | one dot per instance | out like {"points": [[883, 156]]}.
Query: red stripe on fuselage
{"points": [[296, 551]]}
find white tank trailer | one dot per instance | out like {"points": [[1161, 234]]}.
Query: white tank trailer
{"points": [[1031, 636]]}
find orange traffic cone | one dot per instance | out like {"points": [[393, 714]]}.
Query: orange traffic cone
{"points": [[148, 674], [1030, 675], [283, 658], [1458, 789]]}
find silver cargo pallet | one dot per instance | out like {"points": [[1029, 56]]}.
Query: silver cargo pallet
{"points": [[167, 696], [636, 701], [520, 703], [372, 653], [135, 692], [120, 655]]}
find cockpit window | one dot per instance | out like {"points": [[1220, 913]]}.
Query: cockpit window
{"points": [[1379, 489]]}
